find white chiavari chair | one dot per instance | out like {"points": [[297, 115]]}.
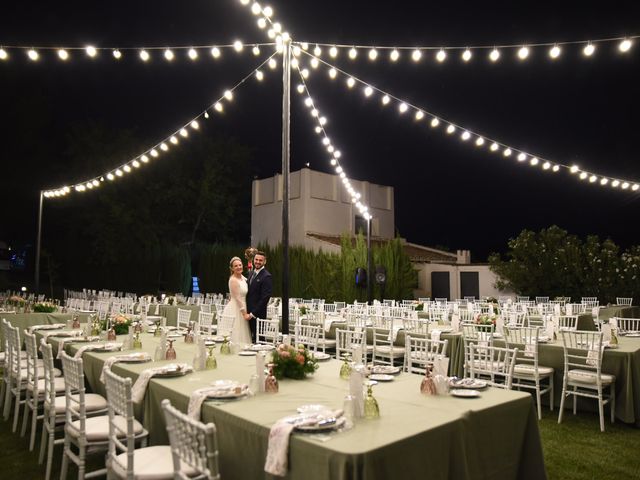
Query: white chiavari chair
{"points": [[205, 323], [528, 373], [624, 301], [421, 352], [480, 335], [307, 335], [493, 364], [194, 445], [267, 331], [583, 375], [184, 318], [627, 325]]}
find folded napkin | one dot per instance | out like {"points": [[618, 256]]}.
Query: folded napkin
{"points": [[140, 356], [140, 387], [70, 338], [278, 449], [48, 326], [199, 396], [107, 347]]}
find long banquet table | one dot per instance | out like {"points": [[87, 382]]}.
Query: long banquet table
{"points": [[416, 436], [26, 320]]}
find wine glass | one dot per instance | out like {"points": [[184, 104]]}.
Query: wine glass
{"points": [[171, 353], [371, 409], [211, 363]]}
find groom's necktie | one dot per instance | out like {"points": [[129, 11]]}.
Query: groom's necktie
{"points": [[253, 275]]}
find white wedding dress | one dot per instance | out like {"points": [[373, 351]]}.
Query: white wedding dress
{"points": [[240, 332]]}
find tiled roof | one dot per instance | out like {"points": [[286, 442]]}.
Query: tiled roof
{"points": [[417, 253]]}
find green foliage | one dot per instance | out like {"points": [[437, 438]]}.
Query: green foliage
{"points": [[554, 263]]}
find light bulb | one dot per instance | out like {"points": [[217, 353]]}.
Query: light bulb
{"points": [[337, 154], [33, 55], [218, 107], [195, 125], [479, 141], [635, 187], [494, 56], [256, 50], [523, 53], [144, 55], [546, 165], [353, 53], [494, 147], [296, 50], [625, 46], [3, 54], [589, 49], [435, 122], [368, 91], [96, 182], [466, 55], [373, 54], [314, 63], [256, 9], [441, 56], [451, 129], [117, 54], [267, 11], [164, 147], [416, 55], [237, 46], [592, 179], [385, 99], [215, 52], [604, 181], [318, 129], [259, 75], [395, 55], [271, 34], [333, 161], [351, 82], [154, 153], [534, 161], [625, 185], [333, 73], [228, 94], [465, 136], [144, 159], [63, 54], [574, 169], [244, 2], [554, 52], [206, 114], [126, 168], [119, 173], [615, 183], [174, 139], [403, 107], [583, 175], [322, 121], [419, 115], [308, 101], [326, 141], [262, 22], [305, 46], [556, 168], [333, 52], [277, 27], [507, 152], [317, 51], [522, 157], [184, 133], [273, 64], [300, 88], [91, 51], [136, 164], [294, 63], [168, 54]]}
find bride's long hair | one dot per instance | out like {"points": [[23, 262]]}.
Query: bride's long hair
{"points": [[231, 263]]}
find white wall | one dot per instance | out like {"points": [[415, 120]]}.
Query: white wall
{"points": [[486, 279], [320, 204]]}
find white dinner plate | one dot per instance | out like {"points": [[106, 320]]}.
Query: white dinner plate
{"points": [[138, 358], [261, 348], [463, 393], [381, 377], [312, 408], [314, 427], [468, 384], [247, 353], [385, 369], [228, 389], [174, 371], [320, 356]]}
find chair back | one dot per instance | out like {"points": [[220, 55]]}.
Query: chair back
{"points": [[421, 352], [184, 317], [525, 340], [267, 331], [348, 340], [192, 443], [307, 334], [49, 393], [583, 351], [493, 364], [568, 322], [121, 434], [32, 362], [74, 392], [625, 301], [225, 324], [205, 322], [628, 325]]}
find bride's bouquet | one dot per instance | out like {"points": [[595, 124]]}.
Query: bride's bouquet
{"points": [[293, 362]]}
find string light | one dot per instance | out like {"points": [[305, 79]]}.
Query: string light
{"points": [[3, 54], [33, 55], [168, 54], [155, 151], [144, 55], [467, 134], [63, 54], [193, 54], [624, 44]]}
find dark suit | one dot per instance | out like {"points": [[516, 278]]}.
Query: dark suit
{"points": [[260, 287]]}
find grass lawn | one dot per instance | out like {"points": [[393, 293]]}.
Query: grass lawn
{"points": [[574, 450]]}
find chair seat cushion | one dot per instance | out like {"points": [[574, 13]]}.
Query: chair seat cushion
{"points": [[528, 370], [59, 385], [150, 463], [56, 372], [386, 350], [97, 428], [589, 376], [92, 403]]}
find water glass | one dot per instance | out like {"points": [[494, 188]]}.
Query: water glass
{"points": [[349, 409]]}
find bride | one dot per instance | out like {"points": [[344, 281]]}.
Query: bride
{"points": [[237, 307]]}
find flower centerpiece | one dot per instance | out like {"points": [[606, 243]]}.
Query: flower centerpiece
{"points": [[303, 310], [44, 307], [293, 362], [120, 323], [419, 307], [16, 300], [486, 319]]}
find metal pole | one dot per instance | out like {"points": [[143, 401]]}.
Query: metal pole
{"points": [[369, 276], [286, 107], [37, 273]]}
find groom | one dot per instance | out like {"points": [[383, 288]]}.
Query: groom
{"points": [[259, 293]]}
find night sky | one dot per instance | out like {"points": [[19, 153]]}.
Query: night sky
{"points": [[447, 193]]}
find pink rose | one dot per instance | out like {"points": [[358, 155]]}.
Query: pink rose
{"points": [[285, 354], [300, 359]]}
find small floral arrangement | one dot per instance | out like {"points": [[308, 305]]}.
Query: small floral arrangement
{"points": [[419, 307], [486, 319], [120, 324], [492, 300], [303, 310], [44, 307], [17, 300], [293, 362]]}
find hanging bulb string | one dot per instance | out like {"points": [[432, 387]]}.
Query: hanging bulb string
{"points": [[162, 145], [478, 139]]}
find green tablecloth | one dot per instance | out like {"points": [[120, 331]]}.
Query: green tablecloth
{"points": [[619, 311], [170, 312], [416, 436], [26, 320]]}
